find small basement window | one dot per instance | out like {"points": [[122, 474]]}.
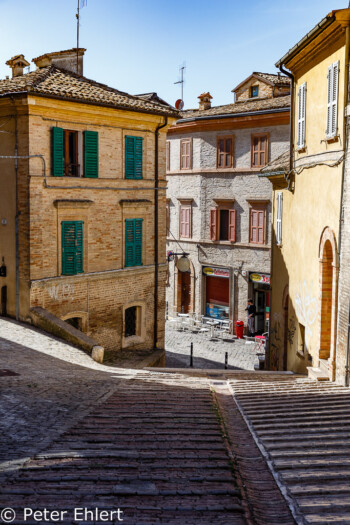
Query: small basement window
{"points": [[131, 321]]}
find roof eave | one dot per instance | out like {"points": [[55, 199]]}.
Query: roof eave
{"points": [[234, 115]]}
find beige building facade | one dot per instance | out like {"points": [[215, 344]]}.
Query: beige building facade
{"points": [[307, 210], [83, 208]]}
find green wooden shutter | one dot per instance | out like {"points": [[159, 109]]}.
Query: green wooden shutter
{"points": [[91, 154], [133, 242], [129, 242], [72, 247], [57, 152], [138, 242], [133, 157]]}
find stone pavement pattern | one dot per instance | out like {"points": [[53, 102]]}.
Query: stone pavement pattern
{"points": [[154, 445], [207, 353], [303, 428]]}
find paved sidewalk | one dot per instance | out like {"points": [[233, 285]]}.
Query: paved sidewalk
{"points": [[207, 353]]}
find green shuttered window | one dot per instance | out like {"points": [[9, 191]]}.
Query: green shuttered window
{"points": [[90, 154], [72, 247], [57, 161], [133, 242], [133, 157]]}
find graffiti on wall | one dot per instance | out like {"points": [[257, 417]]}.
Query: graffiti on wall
{"points": [[306, 308], [61, 292], [276, 340]]}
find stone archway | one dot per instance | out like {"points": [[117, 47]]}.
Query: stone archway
{"points": [[329, 269]]}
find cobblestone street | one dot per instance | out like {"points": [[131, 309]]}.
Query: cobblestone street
{"points": [[207, 353]]}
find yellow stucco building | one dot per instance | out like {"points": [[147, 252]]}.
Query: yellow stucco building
{"points": [[307, 183]]}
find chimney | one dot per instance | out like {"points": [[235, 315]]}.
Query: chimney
{"points": [[65, 59], [17, 64], [204, 101]]}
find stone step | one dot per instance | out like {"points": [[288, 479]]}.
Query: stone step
{"points": [[322, 487], [310, 452]]}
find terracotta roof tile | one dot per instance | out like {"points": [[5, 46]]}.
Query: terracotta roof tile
{"points": [[244, 106], [275, 79], [58, 82]]}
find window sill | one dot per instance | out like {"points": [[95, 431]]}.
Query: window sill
{"points": [[330, 140], [301, 150]]}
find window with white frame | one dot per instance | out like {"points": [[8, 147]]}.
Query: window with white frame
{"points": [[301, 115], [332, 100], [279, 218]]}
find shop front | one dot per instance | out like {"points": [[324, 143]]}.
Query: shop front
{"points": [[260, 293], [217, 292]]}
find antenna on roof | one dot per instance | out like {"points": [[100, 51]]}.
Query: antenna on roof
{"points": [[182, 68], [83, 4]]}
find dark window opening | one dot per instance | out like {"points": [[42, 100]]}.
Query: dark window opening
{"points": [[71, 166], [76, 322], [223, 225], [130, 321], [255, 91]]}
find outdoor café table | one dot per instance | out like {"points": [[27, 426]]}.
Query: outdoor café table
{"points": [[182, 318]]}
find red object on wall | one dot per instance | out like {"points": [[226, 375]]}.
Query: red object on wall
{"points": [[239, 329]]}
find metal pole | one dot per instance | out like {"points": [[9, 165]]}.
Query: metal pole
{"points": [[78, 13], [191, 358], [226, 360]]}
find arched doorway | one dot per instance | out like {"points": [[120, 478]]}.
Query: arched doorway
{"points": [[329, 268], [326, 301], [184, 291]]}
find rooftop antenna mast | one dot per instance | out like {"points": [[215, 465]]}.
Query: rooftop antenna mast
{"points": [[182, 69], [77, 15]]}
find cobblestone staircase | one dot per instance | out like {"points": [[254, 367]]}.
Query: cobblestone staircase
{"points": [[303, 429]]}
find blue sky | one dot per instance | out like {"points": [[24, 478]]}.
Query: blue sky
{"points": [[138, 45]]}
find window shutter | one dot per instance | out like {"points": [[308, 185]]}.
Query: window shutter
{"points": [[72, 247], [138, 241], [57, 152], [133, 157], [213, 224], [334, 116], [91, 154], [329, 101], [301, 115], [232, 226], [260, 227], [253, 226], [279, 218], [133, 242], [129, 242]]}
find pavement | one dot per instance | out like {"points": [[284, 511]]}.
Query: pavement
{"points": [[207, 353], [121, 445]]}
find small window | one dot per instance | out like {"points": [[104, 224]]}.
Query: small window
{"points": [[74, 154], [130, 321], [259, 151], [71, 165], [254, 91], [301, 115], [225, 152], [185, 154], [223, 224]]}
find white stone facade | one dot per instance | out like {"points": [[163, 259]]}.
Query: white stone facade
{"points": [[203, 186]]}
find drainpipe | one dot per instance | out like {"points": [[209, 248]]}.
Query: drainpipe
{"points": [[341, 218], [156, 221], [291, 123]]}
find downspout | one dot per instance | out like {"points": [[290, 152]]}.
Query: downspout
{"points": [[345, 137], [291, 123], [156, 235]]}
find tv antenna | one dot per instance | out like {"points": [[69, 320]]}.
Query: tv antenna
{"points": [[83, 4], [182, 69]]}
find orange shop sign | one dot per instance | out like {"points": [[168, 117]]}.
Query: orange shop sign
{"points": [[260, 278], [216, 272]]}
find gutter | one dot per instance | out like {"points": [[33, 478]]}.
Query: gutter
{"points": [[233, 115], [156, 233]]}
